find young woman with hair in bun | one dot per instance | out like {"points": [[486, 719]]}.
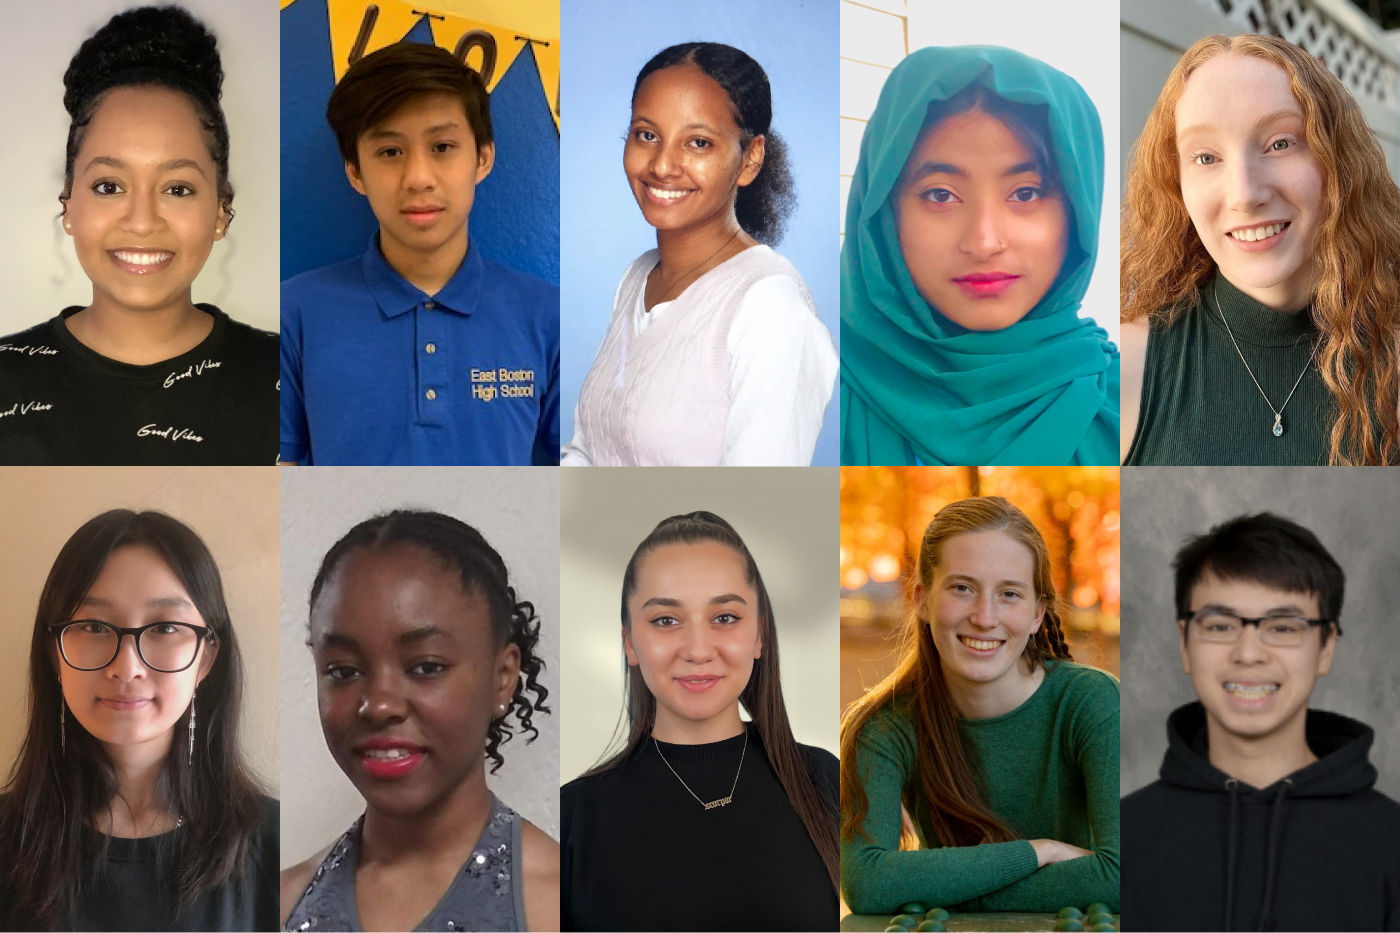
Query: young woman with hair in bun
{"points": [[1003, 751], [714, 355], [142, 375]]}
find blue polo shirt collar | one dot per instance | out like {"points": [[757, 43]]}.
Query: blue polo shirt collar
{"points": [[395, 295]]}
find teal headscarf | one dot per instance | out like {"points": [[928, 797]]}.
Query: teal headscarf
{"points": [[917, 386]]}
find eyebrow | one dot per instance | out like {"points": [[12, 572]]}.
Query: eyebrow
{"points": [[948, 168], [395, 134], [169, 165], [410, 637], [160, 602], [676, 603], [1287, 609], [963, 576], [689, 126], [1265, 120]]}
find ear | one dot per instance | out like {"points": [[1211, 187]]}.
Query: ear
{"points": [[919, 602], [353, 175], [627, 647], [1039, 616], [207, 653], [1185, 658], [507, 674], [753, 161], [223, 220], [485, 161], [1324, 657], [758, 643]]}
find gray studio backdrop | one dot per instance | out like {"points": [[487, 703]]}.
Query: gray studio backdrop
{"points": [[1354, 511], [788, 517], [517, 511]]}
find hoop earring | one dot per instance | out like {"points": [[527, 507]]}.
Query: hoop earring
{"points": [[192, 696]]}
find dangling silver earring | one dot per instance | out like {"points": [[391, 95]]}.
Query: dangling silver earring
{"points": [[62, 724], [192, 696]]}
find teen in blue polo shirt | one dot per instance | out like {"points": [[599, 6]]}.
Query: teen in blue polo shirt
{"points": [[420, 351]]}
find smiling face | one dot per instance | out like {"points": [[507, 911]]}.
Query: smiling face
{"points": [[127, 703], [683, 156], [419, 169], [982, 237], [1249, 688], [408, 676], [694, 629], [982, 607], [144, 208], [1249, 180]]}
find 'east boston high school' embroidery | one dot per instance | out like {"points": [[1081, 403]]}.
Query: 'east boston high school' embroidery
{"points": [[61, 403]]}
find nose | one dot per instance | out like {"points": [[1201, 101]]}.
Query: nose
{"points": [[1249, 649], [141, 218], [128, 664], [698, 644], [665, 161], [984, 611], [1247, 185], [984, 236], [383, 702], [418, 172]]}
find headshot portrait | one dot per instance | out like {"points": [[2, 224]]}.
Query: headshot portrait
{"points": [[1261, 755], [420, 699], [142, 326], [972, 259], [420, 212], [1260, 221], [697, 247], [138, 741], [681, 726]]}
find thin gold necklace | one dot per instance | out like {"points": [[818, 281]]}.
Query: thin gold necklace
{"points": [[723, 801], [690, 270]]}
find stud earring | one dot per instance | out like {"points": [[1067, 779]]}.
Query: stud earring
{"points": [[218, 231], [192, 696]]}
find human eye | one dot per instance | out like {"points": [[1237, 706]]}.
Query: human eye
{"points": [[389, 152], [702, 143], [1010, 594], [644, 136], [1282, 144], [1203, 158], [665, 621], [444, 146], [1026, 194], [340, 672], [726, 618], [180, 190], [166, 628], [428, 668], [960, 588], [106, 188], [939, 196], [92, 627]]}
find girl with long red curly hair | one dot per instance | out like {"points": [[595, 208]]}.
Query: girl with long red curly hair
{"points": [[1260, 268]]}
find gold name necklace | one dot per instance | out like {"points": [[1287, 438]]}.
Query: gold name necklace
{"points": [[723, 801]]}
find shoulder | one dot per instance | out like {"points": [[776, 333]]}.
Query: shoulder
{"points": [[313, 280], [534, 294], [539, 862], [1086, 686], [890, 727], [1143, 802], [28, 348], [295, 879], [826, 768], [246, 337]]}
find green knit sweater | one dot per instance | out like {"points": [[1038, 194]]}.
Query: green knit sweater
{"points": [[1048, 769]]}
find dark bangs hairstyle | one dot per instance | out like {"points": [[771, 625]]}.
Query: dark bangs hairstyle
{"points": [[945, 776], [376, 86], [163, 47], [762, 697], [1266, 549], [481, 570], [52, 798], [764, 205]]}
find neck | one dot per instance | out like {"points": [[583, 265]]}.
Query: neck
{"points": [[677, 730], [428, 270], [683, 250], [1261, 760], [989, 699], [140, 336], [446, 829], [136, 806], [1285, 297]]}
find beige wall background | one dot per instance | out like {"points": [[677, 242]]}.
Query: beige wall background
{"points": [[37, 261], [788, 517], [234, 509], [517, 511]]}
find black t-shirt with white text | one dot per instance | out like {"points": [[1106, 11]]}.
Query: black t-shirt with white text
{"points": [[62, 403]]}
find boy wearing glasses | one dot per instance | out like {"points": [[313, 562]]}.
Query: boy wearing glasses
{"points": [[1265, 816]]}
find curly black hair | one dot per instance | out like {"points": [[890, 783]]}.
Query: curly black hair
{"points": [[482, 570], [764, 205], [149, 47]]}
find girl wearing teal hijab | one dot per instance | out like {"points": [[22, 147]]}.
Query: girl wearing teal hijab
{"points": [[980, 382]]}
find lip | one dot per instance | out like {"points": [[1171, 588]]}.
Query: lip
{"points": [[125, 704], [389, 769], [699, 683], [653, 198], [140, 268], [1259, 246], [422, 216], [978, 653], [986, 284], [1252, 705]]}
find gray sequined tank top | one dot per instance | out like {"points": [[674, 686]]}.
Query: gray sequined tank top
{"points": [[484, 895]]}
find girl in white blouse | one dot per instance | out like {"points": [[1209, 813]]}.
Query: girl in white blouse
{"points": [[714, 354]]}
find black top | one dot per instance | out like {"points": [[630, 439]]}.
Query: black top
{"points": [[1315, 851], [61, 403], [640, 853], [134, 892]]}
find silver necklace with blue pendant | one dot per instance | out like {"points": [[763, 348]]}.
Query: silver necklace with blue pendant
{"points": [[1278, 412]]}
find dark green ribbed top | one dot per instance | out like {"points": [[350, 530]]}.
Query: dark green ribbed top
{"points": [[1199, 405]]}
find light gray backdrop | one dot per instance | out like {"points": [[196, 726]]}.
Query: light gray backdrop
{"points": [[1354, 511]]}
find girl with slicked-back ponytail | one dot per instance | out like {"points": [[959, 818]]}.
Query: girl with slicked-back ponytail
{"points": [[735, 822], [984, 702]]}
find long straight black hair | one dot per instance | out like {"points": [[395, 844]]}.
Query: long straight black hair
{"points": [[53, 796], [762, 697]]}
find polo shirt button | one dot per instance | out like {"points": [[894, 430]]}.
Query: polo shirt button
{"points": [[431, 348], [430, 305], [432, 394]]}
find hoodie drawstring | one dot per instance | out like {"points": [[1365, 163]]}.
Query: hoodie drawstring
{"points": [[1232, 786], [1266, 918]]}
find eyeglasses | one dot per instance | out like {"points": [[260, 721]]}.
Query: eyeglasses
{"points": [[1222, 626], [168, 647]]}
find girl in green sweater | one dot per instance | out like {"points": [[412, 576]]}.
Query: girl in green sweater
{"points": [[1003, 751]]}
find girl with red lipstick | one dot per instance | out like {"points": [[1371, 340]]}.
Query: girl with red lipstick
{"points": [[971, 234], [424, 654], [732, 823], [712, 323], [130, 806], [142, 375], [984, 697], [1260, 291]]}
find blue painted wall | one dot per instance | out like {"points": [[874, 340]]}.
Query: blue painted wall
{"points": [[515, 219]]}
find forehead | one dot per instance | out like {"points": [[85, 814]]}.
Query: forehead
{"points": [[991, 554], [424, 113], [705, 569], [1249, 597], [684, 94], [1232, 92], [145, 125], [975, 141], [382, 592], [135, 574]]}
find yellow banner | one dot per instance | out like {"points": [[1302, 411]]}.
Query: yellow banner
{"points": [[547, 58], [488, 49]]}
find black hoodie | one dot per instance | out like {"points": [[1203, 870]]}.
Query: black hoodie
{"points": [[1318, 850]]}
